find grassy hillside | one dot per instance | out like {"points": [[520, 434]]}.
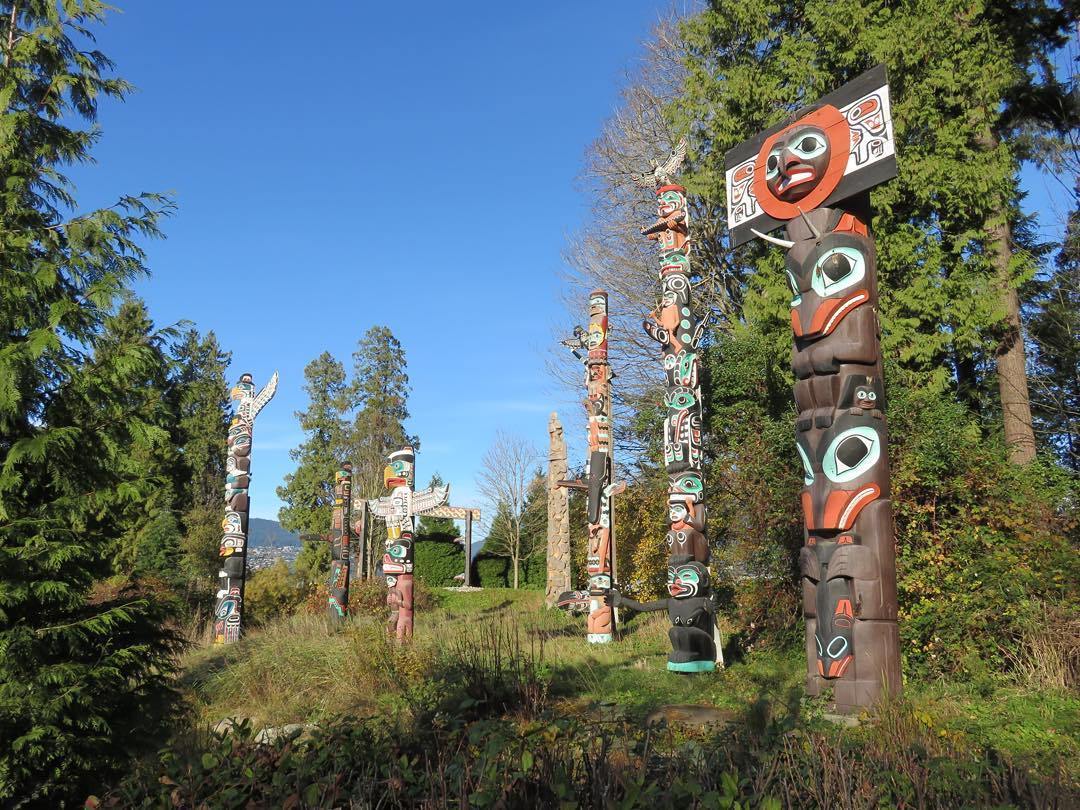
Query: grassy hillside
{"points": [[497, 697]]}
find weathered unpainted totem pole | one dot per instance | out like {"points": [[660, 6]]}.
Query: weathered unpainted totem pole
{"points": [[340, 544], [399, 509], [600, 559], [813, 174], [229, 608], [558, 526], [694, 636]]}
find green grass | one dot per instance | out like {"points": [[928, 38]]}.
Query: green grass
{"points": [[300, 670]]}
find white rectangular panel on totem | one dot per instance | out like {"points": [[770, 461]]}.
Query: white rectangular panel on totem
{"points": [[865, 105]]}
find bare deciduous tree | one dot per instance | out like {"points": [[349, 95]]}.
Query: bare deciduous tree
{"points": [[508, 483], [609, 253]]}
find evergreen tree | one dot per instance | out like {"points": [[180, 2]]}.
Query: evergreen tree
{"points": [[83, 666], [379, 393], [969, 83], [150, 543], [309, 491], [202, 394], [1055, 332], [430, 526]]}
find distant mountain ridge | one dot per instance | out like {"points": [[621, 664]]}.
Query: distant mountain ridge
{"points": [[263, 532]]}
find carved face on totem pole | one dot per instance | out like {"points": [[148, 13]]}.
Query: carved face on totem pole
{"points": [[833, 150], [801, 165], [829, 282], [400, 470], [398, 558], [233, 537], [243, 389], [687, 580], [797, 162]]}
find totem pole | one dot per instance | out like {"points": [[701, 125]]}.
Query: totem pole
{"points": [[340, 544], [813, 174], [558, 526], [228, 610], [600, 559], [694, 635], [399, 510]]}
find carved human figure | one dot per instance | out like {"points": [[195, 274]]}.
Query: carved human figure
{"points": [[692, 613], [399, 509]]}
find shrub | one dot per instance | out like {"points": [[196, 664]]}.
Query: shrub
{"points": [[367, 597], [438, 560], [271, 593], [979, 540], [459, 760], [494, 571]]}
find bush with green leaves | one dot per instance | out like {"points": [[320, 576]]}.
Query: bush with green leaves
{"points": [[981, 542], [438, 559]]}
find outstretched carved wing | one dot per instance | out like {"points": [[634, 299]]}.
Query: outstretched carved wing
{"points": [[662, 173], [264, 396], [380, 507], [426, 499]]}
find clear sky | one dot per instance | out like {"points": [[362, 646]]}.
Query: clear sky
{"points": [[407, 164]]}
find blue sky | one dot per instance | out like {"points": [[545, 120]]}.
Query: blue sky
{"points": [[411, 165], [406, 164]]}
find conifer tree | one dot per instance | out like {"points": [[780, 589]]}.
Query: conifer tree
{"points": [[434, 525], [379, 394], [202, 394], [84, 666], [309, 491], [970, 83]]}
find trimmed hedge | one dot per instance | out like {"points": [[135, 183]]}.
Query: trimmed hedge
{"points": [[497, 572], [438, 559]]}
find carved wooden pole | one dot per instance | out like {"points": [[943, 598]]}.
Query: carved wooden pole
{"points": [[813, 175], [678, 331], [598, 474], [229, 607], [558, 531], [340, 548], [399, 509]]}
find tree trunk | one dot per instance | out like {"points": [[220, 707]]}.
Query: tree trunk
{"points": [[1010, 356]]}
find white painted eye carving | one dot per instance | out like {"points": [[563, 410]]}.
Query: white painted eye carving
{"points": [[851, 454], [772, 165], [808, 472], [837, 269], [839, 652], [796, 296], [810, 146]]}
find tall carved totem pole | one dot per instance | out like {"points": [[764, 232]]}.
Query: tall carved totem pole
{"points": [[229, 608], [340, 544], [694, 636], [399, 509], [558, 526], [813, 175], [600, 559]]}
